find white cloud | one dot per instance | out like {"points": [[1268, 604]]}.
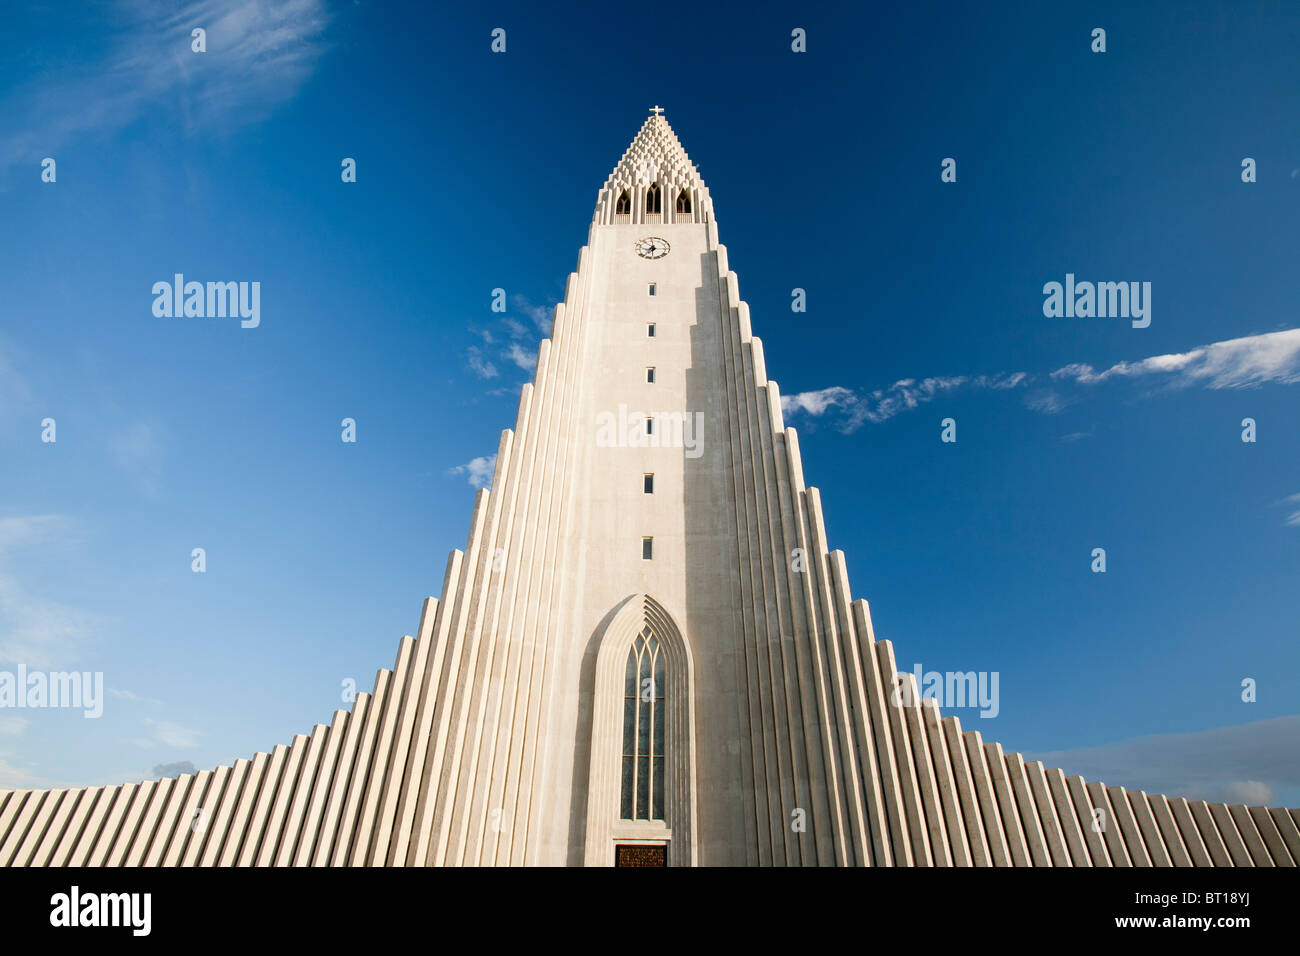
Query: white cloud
{"points": [[1252, 360], [131, 696], [1253, 793], [1242, 763], [515, 342], [38, 632], [904, 395], [479, 470], [35, 631], [22, 777], [1002, 382], [20, 530], [525, 359], [478, 364], [19, 778], [11, 725], [1235, 363], [882, 404], [541, 316], [1046, 402], [815, 403], [1293, 519], [259, 54], [170, 734]]}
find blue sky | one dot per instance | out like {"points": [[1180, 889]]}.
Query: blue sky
{"points": [[478, 170]]}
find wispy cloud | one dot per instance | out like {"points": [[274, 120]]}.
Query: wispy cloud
{"points": [[19, 531], [1235, 363], [1246, 362], [39, 632], [131, 696], [1246, 763], [513, 343], [1292, 502], [168, 733], [541, 315], [478, 470], [816, 403], [36, 631], [478, 364], [18, 778], [259, 54], [524, 358], [884, 403], [22, 776]]}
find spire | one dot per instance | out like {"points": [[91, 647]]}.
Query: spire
{"points": [[655, 157]]}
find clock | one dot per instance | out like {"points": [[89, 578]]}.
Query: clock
{"points": [[652, 247]]}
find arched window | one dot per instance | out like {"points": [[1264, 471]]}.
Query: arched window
{"points": [[641, 771], [623, 207], [683, 202], [653, 201], [644, 712]]}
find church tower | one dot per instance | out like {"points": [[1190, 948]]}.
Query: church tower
{"points": [[647, 653]]}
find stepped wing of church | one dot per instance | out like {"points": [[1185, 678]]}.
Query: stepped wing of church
{"points": [[647, 653]]}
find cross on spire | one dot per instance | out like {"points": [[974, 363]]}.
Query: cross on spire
{"points": [[657, 110]]}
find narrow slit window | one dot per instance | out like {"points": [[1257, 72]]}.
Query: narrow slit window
{"points": [[647, 548], [652, 288], [650, 330], [650, 374], [649, 426], [648, 484]]}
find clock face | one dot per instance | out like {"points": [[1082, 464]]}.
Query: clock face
{"points": [[652, 247]]}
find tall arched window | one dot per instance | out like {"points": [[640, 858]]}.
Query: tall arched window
{"points": [[641, 771], [683, 201], [653, 200], [644, 713], [623, 207]]}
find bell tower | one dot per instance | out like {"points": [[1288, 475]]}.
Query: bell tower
{"points": [[655, 163], [647, 652]]}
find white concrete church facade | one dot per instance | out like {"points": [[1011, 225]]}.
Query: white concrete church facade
{"points": [[647, 653]]}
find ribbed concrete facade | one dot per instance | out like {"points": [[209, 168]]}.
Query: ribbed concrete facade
{"points": [[501, 735]]}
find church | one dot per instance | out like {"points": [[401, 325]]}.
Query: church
{"points": [[648, 652]]}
